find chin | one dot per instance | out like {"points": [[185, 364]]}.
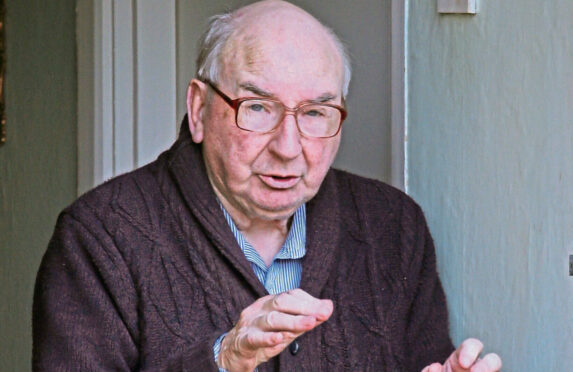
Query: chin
{"points": [[276, 211]]}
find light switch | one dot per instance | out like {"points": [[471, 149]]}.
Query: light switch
{"points": [[457, 6]]}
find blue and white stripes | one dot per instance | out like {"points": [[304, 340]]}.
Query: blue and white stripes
{"points": [[285, 271]]}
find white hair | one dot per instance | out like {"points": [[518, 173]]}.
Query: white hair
{"points": [[220, 29]]}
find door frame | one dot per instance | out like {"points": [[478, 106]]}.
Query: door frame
{"points": [[118, 106]]}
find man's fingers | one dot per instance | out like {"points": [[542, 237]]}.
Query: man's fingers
{"points": [[299, 302], [466, 358], [278, 321], [436, 367], [468, 353], [489, 363], [269, 324], [255, 339]]}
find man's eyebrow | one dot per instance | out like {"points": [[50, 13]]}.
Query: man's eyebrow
{"points": [[325, 97], [256, 90]]}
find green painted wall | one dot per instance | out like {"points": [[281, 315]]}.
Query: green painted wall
{"points": [[490, 158], [38, 161]]}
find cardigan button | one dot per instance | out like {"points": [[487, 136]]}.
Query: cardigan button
{"points": [[294, 347]]}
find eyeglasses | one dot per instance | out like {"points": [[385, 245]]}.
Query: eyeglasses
{"points": [[264, 115]]}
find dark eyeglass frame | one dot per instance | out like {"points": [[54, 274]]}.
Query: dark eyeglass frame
{"points": [[236, 103]]}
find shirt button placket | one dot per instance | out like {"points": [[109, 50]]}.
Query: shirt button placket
{"points": [[270, 283]]}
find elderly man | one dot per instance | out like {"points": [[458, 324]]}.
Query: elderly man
{"points": [[239, 248]]}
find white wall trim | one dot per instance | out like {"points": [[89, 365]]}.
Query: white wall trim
{"points": [[399, 94], [156, 102], [126, 85]]}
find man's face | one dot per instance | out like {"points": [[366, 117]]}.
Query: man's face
{"points": [[268, 176]]}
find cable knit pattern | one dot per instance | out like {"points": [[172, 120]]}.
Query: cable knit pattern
{"points": [[144, 273]]}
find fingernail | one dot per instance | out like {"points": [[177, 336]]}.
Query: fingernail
{"points": [[465, 362]]}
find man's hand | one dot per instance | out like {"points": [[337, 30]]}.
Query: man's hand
{"points": [[466, 358], [267, 326]]}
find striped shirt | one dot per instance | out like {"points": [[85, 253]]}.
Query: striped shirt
{"points": [[285, 270]]}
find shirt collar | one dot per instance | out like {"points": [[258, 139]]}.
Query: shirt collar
{"points": [[293, 248]]}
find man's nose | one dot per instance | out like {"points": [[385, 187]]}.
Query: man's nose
{"points": [[285, 142]]}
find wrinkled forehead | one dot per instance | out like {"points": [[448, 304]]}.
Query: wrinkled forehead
{"points": [[286, 48]]}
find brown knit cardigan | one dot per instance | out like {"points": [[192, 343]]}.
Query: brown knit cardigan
{"points": [[143, 273]]}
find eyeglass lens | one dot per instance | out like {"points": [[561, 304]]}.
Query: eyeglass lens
{"points": [[314, 120]]}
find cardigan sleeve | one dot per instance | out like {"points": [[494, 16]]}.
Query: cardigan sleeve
{"points": [[427, 336], [85, 314]]}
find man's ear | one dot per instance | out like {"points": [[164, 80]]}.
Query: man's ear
{"points": [[196, 105]]}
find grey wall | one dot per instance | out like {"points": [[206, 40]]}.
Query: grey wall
{"points": [[37, 163], [365, 26], [491, 161]]}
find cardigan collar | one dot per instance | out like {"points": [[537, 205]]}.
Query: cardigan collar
{"points": [[187, 167]]}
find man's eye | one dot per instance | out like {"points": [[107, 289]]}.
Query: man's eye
{"points": [[256, 107], [314, 113]]}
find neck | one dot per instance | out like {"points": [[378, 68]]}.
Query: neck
{"points": [[267, 236]]}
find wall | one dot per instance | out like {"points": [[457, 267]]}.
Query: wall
{"points": [[490, 159], [365, 27], [37, 163]]}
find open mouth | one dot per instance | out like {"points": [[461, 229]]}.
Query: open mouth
{"points": [[279, 182]]}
